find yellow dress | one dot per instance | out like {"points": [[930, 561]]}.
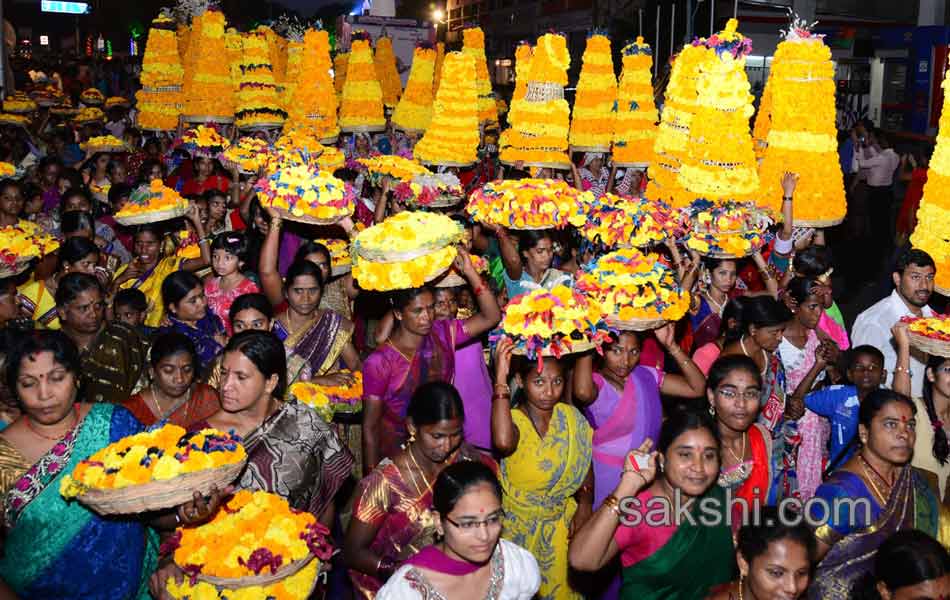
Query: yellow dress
{"points": [[151, 286], [40, 303], [540, 480]]}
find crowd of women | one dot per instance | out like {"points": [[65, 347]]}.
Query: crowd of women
{"points": [[707, 458]]}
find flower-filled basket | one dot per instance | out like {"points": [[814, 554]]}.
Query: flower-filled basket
{"points": [[330, 400], [155, 470], [340, 261], [204, 142], [727, 230], [152, 203], [92, 97], [256, 540], [432, 190], [19, 106], [20, 244], [407, 250], [930, 334], [104, 143], [453, 278], [248, 155], [89, 114], [529, 204], [554, 322], [15, 120], [638, 292], [396, 167], [618, 222], [299, 191]]}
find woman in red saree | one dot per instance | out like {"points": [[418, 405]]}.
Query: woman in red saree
{"points": [[733, 388]]}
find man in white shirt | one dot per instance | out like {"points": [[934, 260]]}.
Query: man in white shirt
{"points": [[914, 283], [879, 161]]}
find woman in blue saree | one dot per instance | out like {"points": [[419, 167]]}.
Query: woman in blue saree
{"points": [[53, 548], [884, 494]]}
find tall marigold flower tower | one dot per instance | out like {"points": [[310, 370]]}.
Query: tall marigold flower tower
{"points": [[361, 109], [721, 165], [258, 104], [452, 136], [339, 71], [473, 44], [803, 136], [159, 100], [209, 91], [439, 59], [635, 125], [523, 54], [414, 111], [672, 138], [763, 117], [311, 106], [539, 123], [592, 120], [385, 62]]}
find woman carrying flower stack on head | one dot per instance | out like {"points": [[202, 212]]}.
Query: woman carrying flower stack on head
{"points": [[680, 559], [471, 554], [149, 268], [392, 506], [175, 394], [318, 341], [420, 349], [546, 470], [528, 257]]}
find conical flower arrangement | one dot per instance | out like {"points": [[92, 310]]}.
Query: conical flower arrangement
{"points": [[672, 138], [295, 49], [635, 127], [385, 62], [803, 137], [339, 71], [721, 165], [235, 49], [473, 44], [209, 92], [258, 104], [439, 59], [414, 111], [523, 54], [183, 36], [592, 122], [159, 100], [312, 106], [452, 137], [539, 123], [933, 216], [763, 117], [362, 105]]}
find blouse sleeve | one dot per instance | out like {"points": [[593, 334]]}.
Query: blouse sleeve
{"points": [[374, 376], [522, 574], [372, 501]]}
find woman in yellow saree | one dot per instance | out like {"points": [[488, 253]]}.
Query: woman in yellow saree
{"points": [[149, 268], [546, 470]]}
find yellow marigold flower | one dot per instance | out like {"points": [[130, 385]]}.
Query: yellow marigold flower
{"points": [[414, 111], [452, 136]]}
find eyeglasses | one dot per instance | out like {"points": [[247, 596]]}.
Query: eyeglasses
{"points": [[472, 526]]}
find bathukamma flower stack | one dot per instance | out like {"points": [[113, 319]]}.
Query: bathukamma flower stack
{"points": [[592, 120], [361, 109], [20, 244], [384, 61], [414, 112], [312, 104], [529, 204], [257, 103], [473, 44], [635, 125], [209, 92], [452, 136]]}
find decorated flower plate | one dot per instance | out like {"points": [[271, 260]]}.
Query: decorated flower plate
{"points": [[728, 230], [152, 203], [529, 204], [20, 244], [301, 192], [930, 334]]}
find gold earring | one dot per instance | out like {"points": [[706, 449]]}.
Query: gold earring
{"points": [[412, 437]]}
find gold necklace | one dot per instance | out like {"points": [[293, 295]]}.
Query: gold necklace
{"points": [[765, 356], [870, 480], [415, 479], [718, 306], [163, 414], [739, 458]]}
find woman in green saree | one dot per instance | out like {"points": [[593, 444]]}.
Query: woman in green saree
{"points": [[876, 493], [665, 554]]}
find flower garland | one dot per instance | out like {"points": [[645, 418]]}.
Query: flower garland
{"points": [[255, 532], [594, 111], [21, 243], [156, 455], [540, 122], [414, 111], [384, 60], [208, 91], [553, 322], [720, 164], [257, 101], [729, 229], [473, 44], [311, 105], [631, 286], [303, 191], [362, 104], [803, 135], [328, 400], [452, 136], [672, 139], [635, 133], [529, 204], [615, 222], [154, 197]]}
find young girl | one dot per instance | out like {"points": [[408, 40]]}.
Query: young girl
{"points": [[228, 253]]}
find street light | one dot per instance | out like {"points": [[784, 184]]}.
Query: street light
{"points": [[437, 15]]}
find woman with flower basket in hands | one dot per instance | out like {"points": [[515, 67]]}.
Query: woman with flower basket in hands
{"points": [[546, 468], [316, 340], [420, 349], [149, 268], [54, 548], [392, 506], [622, 399]]}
